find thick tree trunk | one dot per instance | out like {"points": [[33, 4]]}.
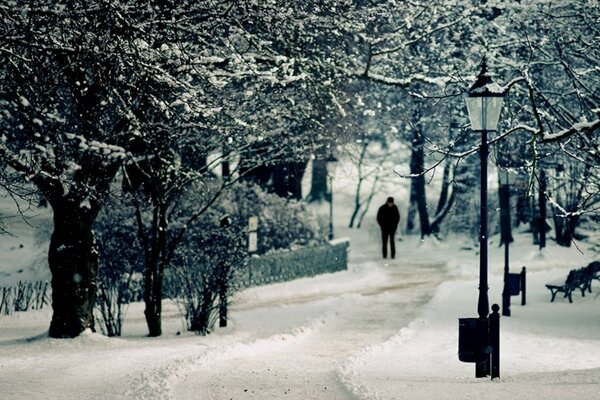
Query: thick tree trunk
{"points": [[417, 166], [73, 261], [564, 229], [422, 207], [318, 186], [287, 179]]}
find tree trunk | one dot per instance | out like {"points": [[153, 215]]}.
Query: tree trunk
{"points": [[445, 188], [422, 207], [523, 209], [417, 166], [446, 200], [287, 179], [155, 267], [542, 205], [356, 201], [73, 261], [564, 229], [367, 203], [441, 215], [412, 208], [318, 186], [505, 220]]}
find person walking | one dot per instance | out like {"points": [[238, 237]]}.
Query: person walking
{"points": [[388, 218]]}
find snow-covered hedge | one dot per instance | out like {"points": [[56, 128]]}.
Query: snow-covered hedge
{"points": [[288, 265]]}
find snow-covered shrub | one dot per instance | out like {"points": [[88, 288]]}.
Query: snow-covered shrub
{"points": [[119, 279], [282, 223], [202, 273], [24, 296]]}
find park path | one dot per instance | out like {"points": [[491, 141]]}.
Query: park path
{"points": [[312, 357]]}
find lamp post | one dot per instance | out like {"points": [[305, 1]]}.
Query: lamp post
{"points": [[484, 102]]}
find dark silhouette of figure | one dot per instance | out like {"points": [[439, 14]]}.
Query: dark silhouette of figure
{"points": [[388, 218]]}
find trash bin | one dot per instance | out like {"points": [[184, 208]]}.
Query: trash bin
{"points": [[513, 283], [471, 339]]}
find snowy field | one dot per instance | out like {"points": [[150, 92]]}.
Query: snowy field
{"points": [[381, 330]]}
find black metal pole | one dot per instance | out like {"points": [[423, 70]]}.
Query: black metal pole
{"points": [[483, 302], [505, 231], [482, 369]]}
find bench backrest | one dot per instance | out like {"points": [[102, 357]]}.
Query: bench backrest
{"points": [[579, 276], [594, 266], [571, 278]]}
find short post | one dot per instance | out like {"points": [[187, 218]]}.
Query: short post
{"points": [[523, 286], [495, 341], [505, 299], [482, 368]]}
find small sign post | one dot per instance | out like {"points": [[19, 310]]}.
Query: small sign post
{"points": [[252, 234]]}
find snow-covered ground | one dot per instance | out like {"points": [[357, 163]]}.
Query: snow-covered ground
{"points": [[384, 329]]}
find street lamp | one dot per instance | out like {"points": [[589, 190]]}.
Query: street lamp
{"points": [[484, 102]]}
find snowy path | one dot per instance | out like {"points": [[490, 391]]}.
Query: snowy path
{"points": [[314, 357], [365, 334], [291, 340]]}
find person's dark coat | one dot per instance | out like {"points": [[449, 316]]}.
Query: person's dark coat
{"points": [[388, 217]]}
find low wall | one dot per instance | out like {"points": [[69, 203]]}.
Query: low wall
{"points": [[289, 265]]}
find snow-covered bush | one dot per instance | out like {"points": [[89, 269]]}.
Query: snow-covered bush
{"points": [[202, 274], [282, 223], [119, 279], [24, 296]]}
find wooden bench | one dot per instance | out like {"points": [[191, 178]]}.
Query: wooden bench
{"points": [[577, 279]]}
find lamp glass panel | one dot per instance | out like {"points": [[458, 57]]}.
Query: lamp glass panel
{"points": [[474, 107], [492, 107], [484, 112]]}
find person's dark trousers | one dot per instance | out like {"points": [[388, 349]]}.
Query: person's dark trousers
{"points": [[385, 236]]}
